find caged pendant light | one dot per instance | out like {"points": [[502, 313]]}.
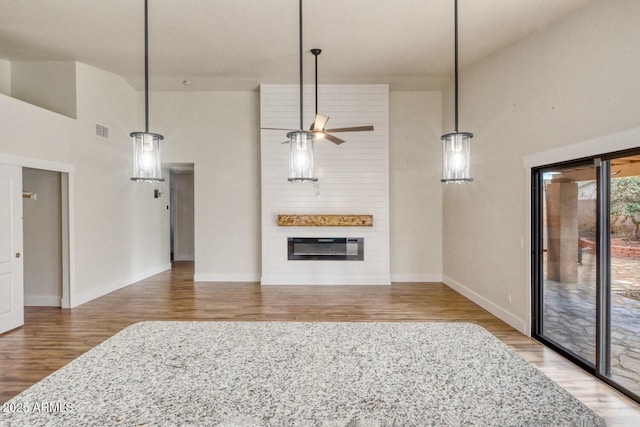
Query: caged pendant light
{"points": [[456, 147], [301, 141], [147, 166]]}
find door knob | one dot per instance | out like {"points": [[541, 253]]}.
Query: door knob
{"points": [[17, 254]]}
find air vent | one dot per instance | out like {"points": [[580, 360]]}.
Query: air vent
{"points": [[102, 131]]}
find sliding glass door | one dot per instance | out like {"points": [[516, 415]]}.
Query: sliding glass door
{"points": [[624, 265], [586, 265], [567, 294]]}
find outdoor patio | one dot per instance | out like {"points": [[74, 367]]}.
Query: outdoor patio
{"points": [[570, 313]]}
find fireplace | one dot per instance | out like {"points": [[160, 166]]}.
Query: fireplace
{"points": [[325, 248], [352, 200]]}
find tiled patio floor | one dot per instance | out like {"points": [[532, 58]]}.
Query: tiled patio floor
{"points": [[569, 317]]}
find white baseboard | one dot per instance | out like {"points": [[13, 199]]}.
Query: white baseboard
{"points": [[416, 278], [491, 307], [84, 297], [42, 301], [222, 277], [326, 280]]}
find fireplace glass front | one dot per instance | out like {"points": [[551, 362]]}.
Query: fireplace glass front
{"points": [[326, 248]]}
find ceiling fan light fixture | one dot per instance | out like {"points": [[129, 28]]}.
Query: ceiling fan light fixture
{"points": [[147, 164], [301, 156], [456, 146], [319, 122]]}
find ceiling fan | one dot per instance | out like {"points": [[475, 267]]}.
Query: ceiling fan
{"points": [[317, 127]]}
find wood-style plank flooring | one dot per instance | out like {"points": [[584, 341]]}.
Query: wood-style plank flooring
{"points": [[52, 337]]}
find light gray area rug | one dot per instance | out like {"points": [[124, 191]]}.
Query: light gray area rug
{"points": [[298, 374]]}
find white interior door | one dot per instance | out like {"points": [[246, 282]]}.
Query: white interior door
{"points": [[11, 265]]}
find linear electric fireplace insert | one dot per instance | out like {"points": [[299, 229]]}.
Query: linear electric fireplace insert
{"points": [[326, 248]]}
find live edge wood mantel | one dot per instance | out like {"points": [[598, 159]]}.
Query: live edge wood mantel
{"points": [[325, 220]]}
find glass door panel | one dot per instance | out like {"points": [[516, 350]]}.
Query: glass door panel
{"points": [[586, 265], [567, 261], [624, 264]]}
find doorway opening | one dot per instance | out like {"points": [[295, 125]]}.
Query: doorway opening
{"points": [[181, 211], [13, 196], [43, 223]]}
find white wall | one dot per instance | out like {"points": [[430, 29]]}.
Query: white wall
{"points": [[353, 178], [120, 233], [218, 133], [415, 188], [130, 239], [42, 241], [5, 77], [47, 84], [575, 81], [116, 221]]}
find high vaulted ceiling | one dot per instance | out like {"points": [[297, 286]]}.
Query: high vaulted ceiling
{"points": [[238, 44]]}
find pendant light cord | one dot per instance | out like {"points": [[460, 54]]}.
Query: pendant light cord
{"points": [[455, 12], [301, 88], [316, 55], [146, 71]]}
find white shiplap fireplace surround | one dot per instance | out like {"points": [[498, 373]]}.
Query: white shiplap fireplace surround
{"points": [[353, 179]]}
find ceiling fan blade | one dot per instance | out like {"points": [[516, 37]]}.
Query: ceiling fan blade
{"points": [[351, 129], [320, 121], [334, 139]]}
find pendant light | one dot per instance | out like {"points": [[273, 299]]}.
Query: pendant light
{"points": [[301, 141], [456, 148], [147, 166]]}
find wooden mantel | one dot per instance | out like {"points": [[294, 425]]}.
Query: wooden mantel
{"points": [[325, 220]]}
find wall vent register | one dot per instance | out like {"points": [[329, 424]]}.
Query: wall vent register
{"points": [[325, 248]]}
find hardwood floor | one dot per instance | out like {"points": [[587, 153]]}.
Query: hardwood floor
{"points": [[52, 337]]}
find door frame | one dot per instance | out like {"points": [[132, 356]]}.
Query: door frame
{"points": [[67, 191], [537, 295], [12, 263], [620, 141], [171, 170], [604, 148]]}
